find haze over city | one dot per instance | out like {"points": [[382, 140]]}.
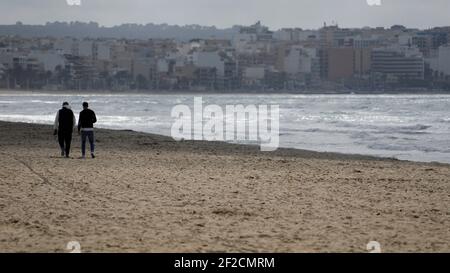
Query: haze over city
{"points": [[222, 13]]}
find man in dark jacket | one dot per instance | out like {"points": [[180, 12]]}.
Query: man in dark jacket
{"points": [[86, 128], [64, 124]]}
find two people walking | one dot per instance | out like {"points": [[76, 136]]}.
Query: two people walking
{"points": [[65, 122]]}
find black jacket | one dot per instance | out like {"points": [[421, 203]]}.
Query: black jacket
{"points": [[87, 119], [65, 120]]}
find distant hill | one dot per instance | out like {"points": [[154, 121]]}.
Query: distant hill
{"points": [[128, 31]]}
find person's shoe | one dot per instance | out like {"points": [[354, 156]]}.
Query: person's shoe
{"points": [[63, 153], [92, 155], [82, 157]]}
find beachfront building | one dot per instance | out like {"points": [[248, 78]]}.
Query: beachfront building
{"points": [[49, 60], [66, 46], [363, 42], [440, 63], [444, 60], [346, 62], [258, 31], [223, 65], [298, 63], [253, 77], [430, 40], [333, 36], [294, 35], [398, 63], [102, 51]]}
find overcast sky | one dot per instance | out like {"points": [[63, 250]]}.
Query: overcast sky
{"points": [[225, 13]]}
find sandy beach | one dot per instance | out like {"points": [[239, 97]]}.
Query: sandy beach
{"points": [[148, 193]]}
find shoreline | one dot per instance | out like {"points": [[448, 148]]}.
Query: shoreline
{"points": [[291, 152], [230, 147], [148, 193], [280, 151]]}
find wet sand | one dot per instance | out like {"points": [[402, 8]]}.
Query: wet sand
{"points": [[147, 193]]}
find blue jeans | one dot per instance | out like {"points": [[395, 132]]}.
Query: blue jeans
{"points": [[90, 136]]}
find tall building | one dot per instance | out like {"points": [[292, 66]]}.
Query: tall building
{"points": [[430, 40], [262, 32], [224, 66], [401, 63], [344, 63], [333, 36], [442, 63]]}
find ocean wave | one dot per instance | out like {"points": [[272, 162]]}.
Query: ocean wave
{"points": [[404, 148], [43, 101], [326, 131], [364, 136], [417, 127], [443, 120]]}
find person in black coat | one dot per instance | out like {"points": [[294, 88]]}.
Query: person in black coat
{"points": [[63, 128], [86, 128]]}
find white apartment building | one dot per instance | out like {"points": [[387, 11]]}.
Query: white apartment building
{"points": [[299, 60], [405, 39], [6, 59], [254, 75], [162, 66], [103, 51], [49, 60], [441, 62], [242, 41], [294, 35], [85, 49], [444, 60], [363, 42], [66, 46], [210, 60]]}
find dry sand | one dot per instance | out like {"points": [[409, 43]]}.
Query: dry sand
{"points": [[147, 193]]}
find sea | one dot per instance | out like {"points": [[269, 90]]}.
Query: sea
{"points": [[407, 127]]}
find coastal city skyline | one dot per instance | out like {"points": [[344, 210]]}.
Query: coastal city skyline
{"points": [[85, 56], [219, 13]]}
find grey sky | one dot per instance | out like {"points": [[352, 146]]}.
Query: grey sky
{"points": [[225, 13]]}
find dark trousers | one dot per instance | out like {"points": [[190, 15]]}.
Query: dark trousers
{"points": [[89, 135], [65, 139]]}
